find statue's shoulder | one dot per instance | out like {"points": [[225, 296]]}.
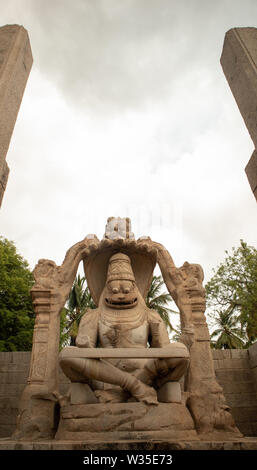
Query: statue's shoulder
{"points": [[153, 316]]}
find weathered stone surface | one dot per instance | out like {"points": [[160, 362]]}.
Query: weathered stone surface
{"points": [[244, 414], [221, 354], [118, 227], [8, 416], [125, 381], [239, 353], [125, 420], [132, 445], [254, 375], [239, 387], [5, 431], [233, 363], [252, 351], [170, 393], [11, 389], [239, 63], [251, 171], [241, 375], [235, 399], [4, 173], [178, 350], [15, 65], [81, 393], [20, 377]]}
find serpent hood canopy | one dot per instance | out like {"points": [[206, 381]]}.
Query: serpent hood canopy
{"points": [[143, 261]]}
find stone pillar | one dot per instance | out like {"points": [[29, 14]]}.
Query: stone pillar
{"points": [[39, 401], [239, 63], [15, 64], [43, 370]]}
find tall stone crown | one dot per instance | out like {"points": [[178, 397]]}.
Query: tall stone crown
{"points": [[120, 268]]}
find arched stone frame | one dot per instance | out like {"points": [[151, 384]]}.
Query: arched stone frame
{"points": [[205, 398]]}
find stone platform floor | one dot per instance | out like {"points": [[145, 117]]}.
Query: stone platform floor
{"points": [[246, 443]]}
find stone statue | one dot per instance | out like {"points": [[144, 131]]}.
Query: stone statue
{"points": [[126, 377], [122, 320]]}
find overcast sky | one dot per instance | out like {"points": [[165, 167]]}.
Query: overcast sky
{"points": [[127, 112]]}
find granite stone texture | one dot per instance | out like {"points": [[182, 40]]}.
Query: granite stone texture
{"points": [[239, 63], [236, 372], [15, 64]]}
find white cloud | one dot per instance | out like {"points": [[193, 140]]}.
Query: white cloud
{"points": [[127, 112]]}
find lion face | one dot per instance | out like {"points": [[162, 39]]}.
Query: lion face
{"points": [[121, 294]]}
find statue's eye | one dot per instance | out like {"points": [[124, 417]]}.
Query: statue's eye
{"points": [[115, 290], [126, 290]]}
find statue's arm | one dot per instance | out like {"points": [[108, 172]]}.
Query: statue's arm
{"points": [[88, 330], [158, 333]]}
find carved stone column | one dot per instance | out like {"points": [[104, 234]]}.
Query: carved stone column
{"points": [[39, 400], [38, 404], [43, 368], [206, 400]]}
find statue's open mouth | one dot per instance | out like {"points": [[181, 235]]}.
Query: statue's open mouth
{"points": [[121, 304]]}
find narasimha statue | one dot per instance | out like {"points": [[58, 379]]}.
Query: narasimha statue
{"points": [[122, 320], [127, 380]]}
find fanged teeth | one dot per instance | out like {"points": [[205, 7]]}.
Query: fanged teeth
{"points": [[113, 302]]}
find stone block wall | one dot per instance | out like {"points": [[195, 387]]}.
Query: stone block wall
{"points": [[14, 370], [236, 372]]}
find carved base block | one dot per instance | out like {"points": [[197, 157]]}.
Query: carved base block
{"points": [[125, 421], [170, 393]]}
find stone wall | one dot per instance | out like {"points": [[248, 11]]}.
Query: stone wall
{"points": [[14, 370], [236, 371]]}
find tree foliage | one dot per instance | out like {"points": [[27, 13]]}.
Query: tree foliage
{"points": [[79, 301], [158, 300], [232, 298], [16, 311]]}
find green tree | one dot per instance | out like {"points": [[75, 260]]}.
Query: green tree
{"points": [[16, 310], [158, 300], [228, 334], [78, 302], [232, 297]]}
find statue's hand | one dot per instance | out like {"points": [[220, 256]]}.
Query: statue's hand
{"points": [[83, 342]]}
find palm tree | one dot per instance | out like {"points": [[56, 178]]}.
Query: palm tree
{"points": [[228, 334], [159, 301], [78, 302]]}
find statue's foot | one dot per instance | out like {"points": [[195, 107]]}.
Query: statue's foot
{"points": [[144, 393], [111, 396]]}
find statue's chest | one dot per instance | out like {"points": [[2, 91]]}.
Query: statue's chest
{"points": [[122, 335]]}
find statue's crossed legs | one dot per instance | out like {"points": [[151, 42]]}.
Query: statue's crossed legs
{"points": [[138, 384]]}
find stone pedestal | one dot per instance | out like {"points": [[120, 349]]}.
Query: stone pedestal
{"points": [[125, 421]]}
